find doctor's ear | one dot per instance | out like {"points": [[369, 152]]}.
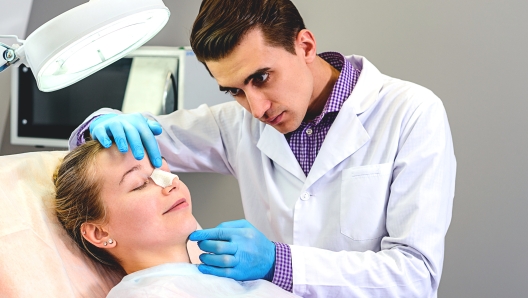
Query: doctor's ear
{"points": [[97, 235], [305, 45]]}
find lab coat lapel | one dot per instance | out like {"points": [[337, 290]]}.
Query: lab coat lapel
{"points": [[345, 137], [274, 145], [347, 133]]}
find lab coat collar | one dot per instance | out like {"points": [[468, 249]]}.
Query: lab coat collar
{"points": [[347, 134], [368, 86]]}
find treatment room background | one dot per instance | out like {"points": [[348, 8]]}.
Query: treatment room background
{"points": [[472, 54]]}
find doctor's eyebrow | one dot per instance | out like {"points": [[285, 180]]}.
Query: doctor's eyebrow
{"points": [[136, 168], [258, 72]]}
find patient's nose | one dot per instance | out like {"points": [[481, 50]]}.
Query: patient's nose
{"points": [[164, 179], [173, 186]]}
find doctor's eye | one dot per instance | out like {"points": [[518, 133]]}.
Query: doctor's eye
{"points": [[260, 78], [232, 91], [142, 185]]}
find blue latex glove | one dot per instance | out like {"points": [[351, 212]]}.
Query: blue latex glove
{"points": [[238, 251], [134, 128]]}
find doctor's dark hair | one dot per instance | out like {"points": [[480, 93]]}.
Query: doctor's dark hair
{"points": [[221, 24], [78, 201]]}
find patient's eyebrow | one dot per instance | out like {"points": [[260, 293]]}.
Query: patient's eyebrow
{"points": [[136, 168]]}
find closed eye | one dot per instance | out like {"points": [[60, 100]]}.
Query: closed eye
{"points": [[142, 185]]}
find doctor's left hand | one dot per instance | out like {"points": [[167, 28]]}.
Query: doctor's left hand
{"points": [[237, 250]]}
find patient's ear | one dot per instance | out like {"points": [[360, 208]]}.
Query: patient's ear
{"points": [[97, 235]]}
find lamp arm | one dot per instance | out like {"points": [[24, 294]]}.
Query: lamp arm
{"points": [[21, 41]]}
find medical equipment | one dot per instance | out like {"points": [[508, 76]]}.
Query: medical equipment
{"points": [[85, 39], [155, 79], [163, 178]]}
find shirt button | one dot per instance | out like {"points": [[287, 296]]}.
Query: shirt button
{"points": [[309, 131], [305, 196]]}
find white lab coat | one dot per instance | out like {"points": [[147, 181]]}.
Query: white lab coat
{"points": [[370, 218]]}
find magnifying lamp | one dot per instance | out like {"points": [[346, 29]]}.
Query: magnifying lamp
{"points": [[85, 39]]}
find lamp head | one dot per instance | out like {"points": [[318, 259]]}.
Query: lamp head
{"points": [[89, 37]]}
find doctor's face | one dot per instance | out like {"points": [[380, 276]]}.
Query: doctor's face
{"points": [[274, 85], [141, 214]]}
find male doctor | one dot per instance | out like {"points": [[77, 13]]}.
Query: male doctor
{"points": [[349, 172]]}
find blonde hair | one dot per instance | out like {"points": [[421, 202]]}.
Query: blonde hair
{"points": [[78, 201]]}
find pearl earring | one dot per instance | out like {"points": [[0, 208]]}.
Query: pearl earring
{"points": [[110, 241]]}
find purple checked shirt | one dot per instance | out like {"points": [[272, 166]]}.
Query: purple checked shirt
{"points": [[305, 143]]}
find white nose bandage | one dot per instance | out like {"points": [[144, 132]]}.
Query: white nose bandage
{"points": [[163, 178]]}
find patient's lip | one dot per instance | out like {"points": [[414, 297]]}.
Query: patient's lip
{"points": [[179, 204]]}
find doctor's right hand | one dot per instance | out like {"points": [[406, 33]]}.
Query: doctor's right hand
{"points": [[129, 129]]}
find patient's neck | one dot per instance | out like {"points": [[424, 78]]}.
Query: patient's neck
{"points": [[135, 260]]}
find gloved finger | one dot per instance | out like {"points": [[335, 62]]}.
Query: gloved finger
{"points": [[221, 261], [150, 143], [240, 223], [134, 140], [99, 133], [214, 234], [153, 151], [119, 136], [155, 127], [100, 119], [222, 272], [218, 247]]}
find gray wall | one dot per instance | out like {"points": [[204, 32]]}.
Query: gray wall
{"points": [[472, 54]]}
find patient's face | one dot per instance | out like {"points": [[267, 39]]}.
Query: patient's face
{"points": [[140, 212]]}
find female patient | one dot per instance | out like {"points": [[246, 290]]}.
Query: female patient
{"points": [[127, 215]]}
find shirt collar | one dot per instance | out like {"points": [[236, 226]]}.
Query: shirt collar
{"points": [[342, 87]]}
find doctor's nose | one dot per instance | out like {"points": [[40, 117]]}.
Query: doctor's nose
{"points": [[258, 104]]}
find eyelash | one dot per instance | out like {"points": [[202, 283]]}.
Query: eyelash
{"points": [[235, 91], [141, 186], [230, 91]]}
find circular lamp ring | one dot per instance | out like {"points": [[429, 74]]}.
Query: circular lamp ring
{"points": [[89, 37]]}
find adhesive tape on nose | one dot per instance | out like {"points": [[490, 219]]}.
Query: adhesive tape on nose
{"points": [[163, 178]]}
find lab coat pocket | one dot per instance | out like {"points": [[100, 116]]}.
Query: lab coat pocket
{"points": [[364, 195]]}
